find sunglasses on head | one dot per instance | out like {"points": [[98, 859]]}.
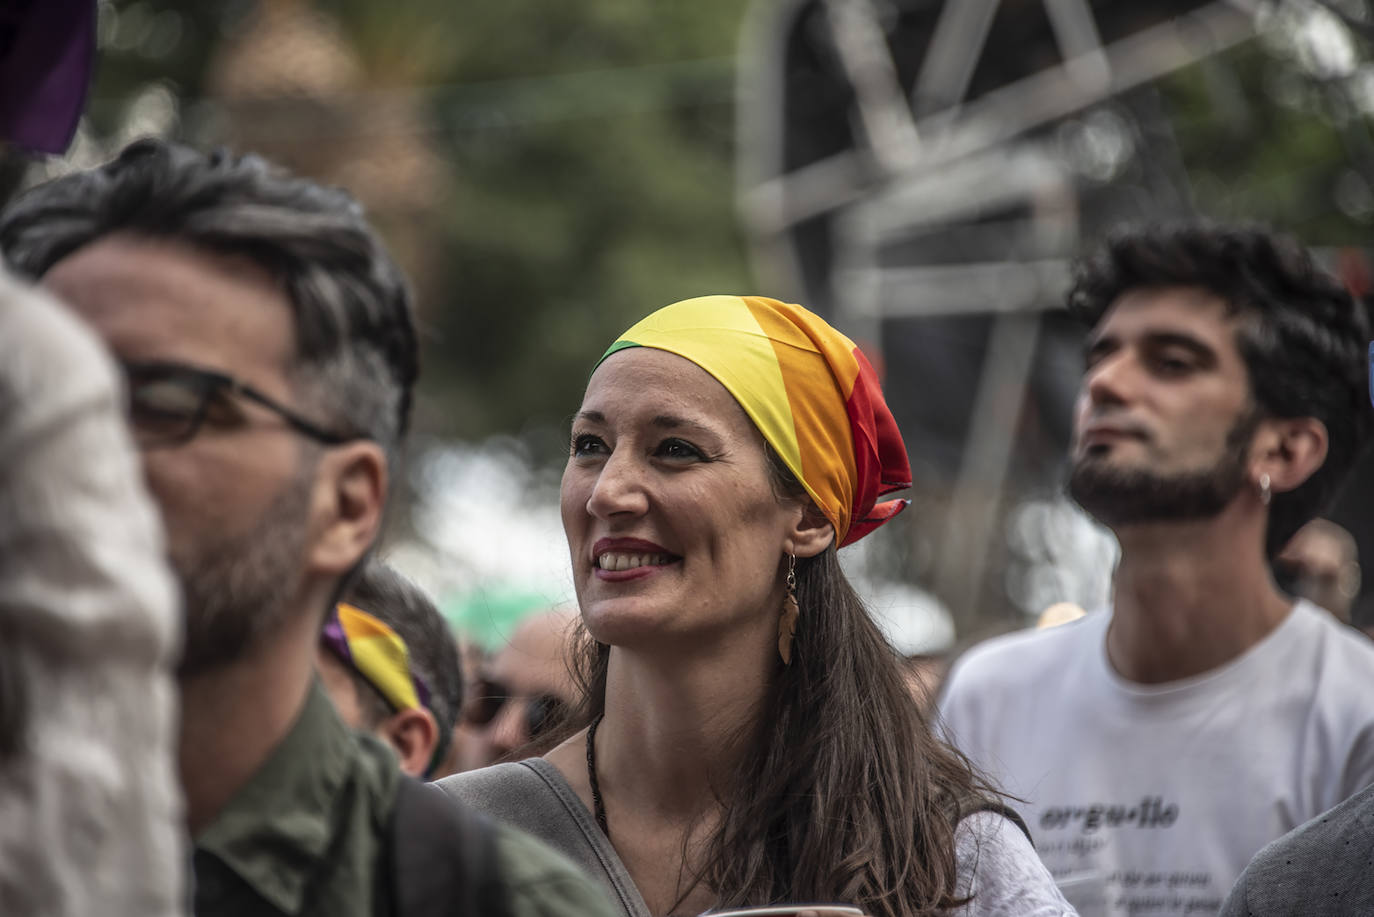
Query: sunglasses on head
{"points": [[489, 698], [169, 402]]}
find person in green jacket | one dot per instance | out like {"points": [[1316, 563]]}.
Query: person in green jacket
{"points": [[269, 353]]}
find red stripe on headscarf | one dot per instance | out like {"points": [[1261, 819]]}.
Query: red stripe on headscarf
{"points": [[879, 455]]}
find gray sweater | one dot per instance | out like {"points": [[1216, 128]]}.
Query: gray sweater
{"points": [[90, 804], [1324, 867], [997, 864]]}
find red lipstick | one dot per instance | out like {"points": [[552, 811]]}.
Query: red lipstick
{"points": [[635, 548]]}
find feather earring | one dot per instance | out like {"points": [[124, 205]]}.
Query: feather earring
{"points": [[787, 621]]}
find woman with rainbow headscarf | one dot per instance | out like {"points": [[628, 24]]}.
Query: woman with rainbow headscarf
{"points": [[746, 736]]}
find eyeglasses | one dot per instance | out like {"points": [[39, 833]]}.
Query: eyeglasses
{"points": [[542, 711], [168, 403]]}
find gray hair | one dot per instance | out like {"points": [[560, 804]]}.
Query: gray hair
{"points": [[356, 357]]}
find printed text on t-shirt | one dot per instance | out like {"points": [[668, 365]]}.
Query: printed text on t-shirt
{"points": [[1150, 812]]}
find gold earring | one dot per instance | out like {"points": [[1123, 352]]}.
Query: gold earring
{"points": [[787, 621]]}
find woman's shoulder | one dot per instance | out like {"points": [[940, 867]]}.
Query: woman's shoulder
{"points": [[533, 796], [506, 792], [999, 868]]}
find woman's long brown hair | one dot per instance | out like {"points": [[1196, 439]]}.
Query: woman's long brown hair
{"points": [[844, 794]]}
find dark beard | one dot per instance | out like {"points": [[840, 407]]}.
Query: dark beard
{"points": [[1129, 497], [237, 590]]}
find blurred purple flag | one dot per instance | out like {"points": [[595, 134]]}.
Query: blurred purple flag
{"points": [[47, 51]]}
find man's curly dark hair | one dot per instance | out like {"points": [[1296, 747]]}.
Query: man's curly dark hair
{"points": [[1302, 336]]}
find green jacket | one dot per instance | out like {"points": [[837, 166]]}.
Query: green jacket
{"points": [[307, 836]]}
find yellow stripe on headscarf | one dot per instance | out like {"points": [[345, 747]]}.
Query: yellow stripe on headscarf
{"points": [[380, 655], [808, 389]]}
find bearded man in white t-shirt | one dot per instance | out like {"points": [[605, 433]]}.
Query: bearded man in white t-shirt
{"points": [[1160, 742]]}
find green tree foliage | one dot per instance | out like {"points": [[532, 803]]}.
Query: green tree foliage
{"points": [[589, 152], [1264, 140]]}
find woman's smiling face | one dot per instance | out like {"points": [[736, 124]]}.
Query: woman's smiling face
{"points": [[672, 520]]}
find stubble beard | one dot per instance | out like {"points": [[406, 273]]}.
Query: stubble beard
{"points": [[1132, 496], [238, 590]]}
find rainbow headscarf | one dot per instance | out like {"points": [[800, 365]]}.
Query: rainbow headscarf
{"points": [[377, 653], [810, 391]]}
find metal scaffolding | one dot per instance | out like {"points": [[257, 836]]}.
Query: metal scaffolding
{"points": [[897, 160]]}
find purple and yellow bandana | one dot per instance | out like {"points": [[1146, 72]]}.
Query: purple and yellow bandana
{"points": [[377, 653], [810, 391]]}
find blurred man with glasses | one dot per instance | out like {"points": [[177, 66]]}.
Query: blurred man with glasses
{"points": [[270, 353], [522, 691]]}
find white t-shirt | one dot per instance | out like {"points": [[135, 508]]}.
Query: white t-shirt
{"points": [[1149, 800]]}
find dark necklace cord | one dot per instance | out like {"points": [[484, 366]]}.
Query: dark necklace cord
{"points": [[598, 807]]}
